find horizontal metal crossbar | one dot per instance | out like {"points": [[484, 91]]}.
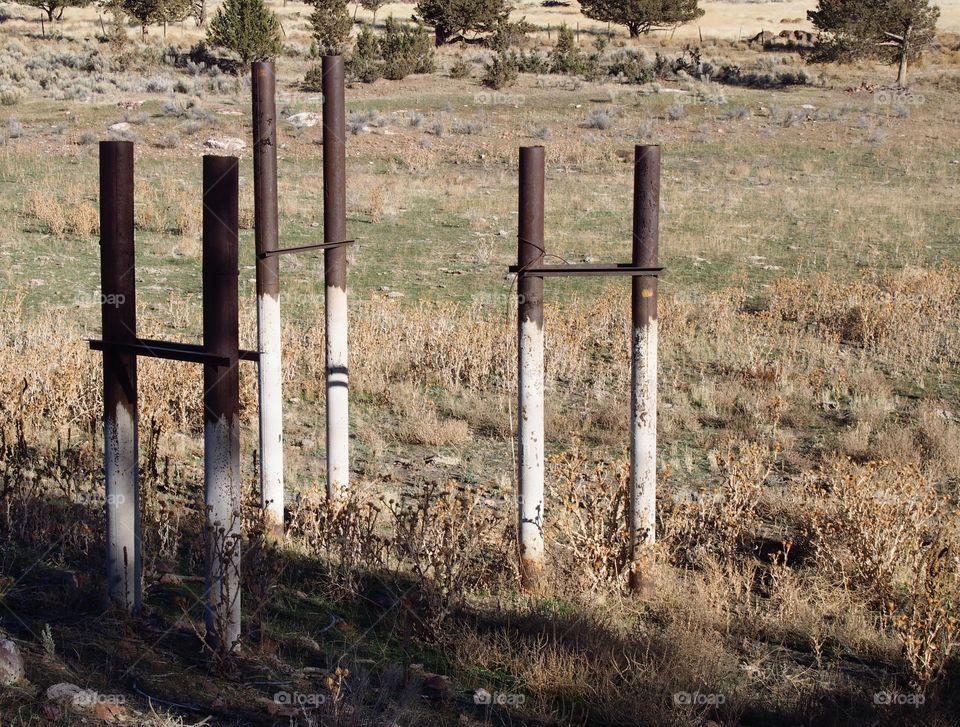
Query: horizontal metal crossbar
{"points": [[584, 270], [245, 355], [303, 248], [189, 352]]}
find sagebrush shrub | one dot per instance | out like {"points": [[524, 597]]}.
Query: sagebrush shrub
{"points": [[502, 71], [460, 68], [405, 50]]}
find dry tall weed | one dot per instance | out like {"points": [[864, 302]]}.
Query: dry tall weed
{"points": [[908, 318], [869, 525], [587, 521], [727, 520], [927, 621], [451, 541], [884, 531], [48, 211], [346, 534]]}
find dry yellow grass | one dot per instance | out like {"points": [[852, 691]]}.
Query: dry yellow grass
{"points": [[841, 558]]}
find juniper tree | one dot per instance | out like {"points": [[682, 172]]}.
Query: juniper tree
{"points": [[565, 58], [642, 16], [450, 17], [893, 31], [365, 63], [394, 54], [405, 50], [248, 28], [373, 6], [54, 8], [330, 24], [116, 31], [148, 12]]}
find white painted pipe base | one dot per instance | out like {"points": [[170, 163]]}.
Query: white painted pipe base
{"points": [[122, 509], [643, 453], [269, 380], [222, 486], [530, 433], [338, 397]]}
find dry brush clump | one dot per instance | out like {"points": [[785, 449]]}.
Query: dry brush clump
{"points": [[726, 519], [886, 533], [472, 347], [57, 218], [453, 542], [49, 497], [445, 542], [168, 207], [420, 422], [587, 522], [50, 381], [870, 524], [349, 535], [907, 319], [859, 558], [60, 392], [927, 620]]}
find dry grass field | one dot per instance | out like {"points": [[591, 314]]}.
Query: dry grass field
{"points": [[809, 556]]}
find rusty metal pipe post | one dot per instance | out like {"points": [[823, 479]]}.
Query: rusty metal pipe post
{"points": [[266, 227], [335, 230], [119, 313], [643, 383], [530, 419], [221, 400]]}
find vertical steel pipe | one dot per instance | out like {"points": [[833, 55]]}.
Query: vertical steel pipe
{"points": [[266, 228], [119, 314], [335, 230], [221, 400], [530, 426], [643, 383]]}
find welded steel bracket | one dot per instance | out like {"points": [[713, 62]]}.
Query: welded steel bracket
{"points": [[187, 352], [304, 248], [557, 271]]}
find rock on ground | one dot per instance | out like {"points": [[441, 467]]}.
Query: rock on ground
{"points": [[305, 118], [11, 662], [228, 143]]}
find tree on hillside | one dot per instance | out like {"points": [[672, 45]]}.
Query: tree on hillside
{"points": [[393, 54], [116, 30], [248, 28], [148, 12], [565, 58], [330, 24], [450, 17], [198, 9], [405, 50], [642, 16], [893, 31], [54, 8], [373, 6]]}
